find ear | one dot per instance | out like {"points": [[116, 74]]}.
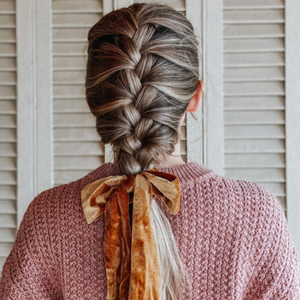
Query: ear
{"points": [[195, 101]]}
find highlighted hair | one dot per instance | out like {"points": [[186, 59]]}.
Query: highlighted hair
{"points": [[142, 71]]}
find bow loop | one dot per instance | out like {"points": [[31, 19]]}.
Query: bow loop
{"points": [[130, 253], [95, 195], [168, 187]]}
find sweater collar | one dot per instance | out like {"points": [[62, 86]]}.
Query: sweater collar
{"points": [[185, 172]]}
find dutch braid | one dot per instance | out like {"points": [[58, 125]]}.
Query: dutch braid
{"points": [[142, 71]]}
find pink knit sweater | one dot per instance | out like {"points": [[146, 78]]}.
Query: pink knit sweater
{"points": [[232, 235]]}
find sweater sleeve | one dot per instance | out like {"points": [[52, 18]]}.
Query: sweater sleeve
{"points": [[275, 272], [28, 272]]}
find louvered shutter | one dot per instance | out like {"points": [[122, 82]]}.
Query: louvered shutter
{"points": [[254, 93], [77, 146], [8, 112]]}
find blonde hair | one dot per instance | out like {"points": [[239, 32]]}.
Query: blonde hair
{"points": [[142, 71]]}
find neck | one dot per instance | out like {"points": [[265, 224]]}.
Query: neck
{"points": [[171, 160]]}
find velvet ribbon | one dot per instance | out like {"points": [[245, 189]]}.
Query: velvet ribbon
{"points": [[130, 252]]}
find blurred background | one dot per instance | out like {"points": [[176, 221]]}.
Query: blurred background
{"points": [[247, 127]]}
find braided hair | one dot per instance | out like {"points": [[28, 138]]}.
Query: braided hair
{"points": [[142, 71]]}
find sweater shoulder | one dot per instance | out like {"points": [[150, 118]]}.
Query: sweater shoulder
{"points": [[246, 207], [62, 193], [54, 212], [58, 208], [244, 192], [254, 209], [267, 247]]}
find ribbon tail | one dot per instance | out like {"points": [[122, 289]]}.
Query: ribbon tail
{"points": [[117, 245], [145, 280]]}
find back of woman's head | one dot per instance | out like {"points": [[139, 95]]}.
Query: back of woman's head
{"points": [[142, 71]]}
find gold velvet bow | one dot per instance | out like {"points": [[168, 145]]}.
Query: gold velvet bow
{"points": [[131, 258]]}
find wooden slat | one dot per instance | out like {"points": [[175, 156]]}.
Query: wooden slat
{"points": [[253, 16], [7, 63], [75, 20], [78, 163], [8, 92], [254, 146], [7, 159], [253, 31], [7, 192], [282, 202], [8, 177], [277, 188], [70, 105], [69, 76], [253, 45], [7, 35], [176, 4], [5, 249], [86, 6], [8, 77], [257, 175], [69, 91], [8, 49], [8, 220], [183, 133], [7, 207], [183, 147], [76, 134], [251, 103], [7, 135], [7, 7], [253, 59], [65, 49], [79, 62], [2, 261], [7, 21], [70, 34], [8, 164], [254, 88], [8, 150], [238, 4], [7, 107], [254, 117], [254, 160], [74, 119], [254, 74], [7, 235], [254, 131], [8, 121], [78, 148]]}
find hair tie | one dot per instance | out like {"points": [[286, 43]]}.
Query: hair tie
{"points": [[132, 262]]}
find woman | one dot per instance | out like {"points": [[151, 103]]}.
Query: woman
{"points": [[101, 237]]}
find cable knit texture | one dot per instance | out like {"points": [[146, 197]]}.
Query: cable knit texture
{"points": [[232, 235]]}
